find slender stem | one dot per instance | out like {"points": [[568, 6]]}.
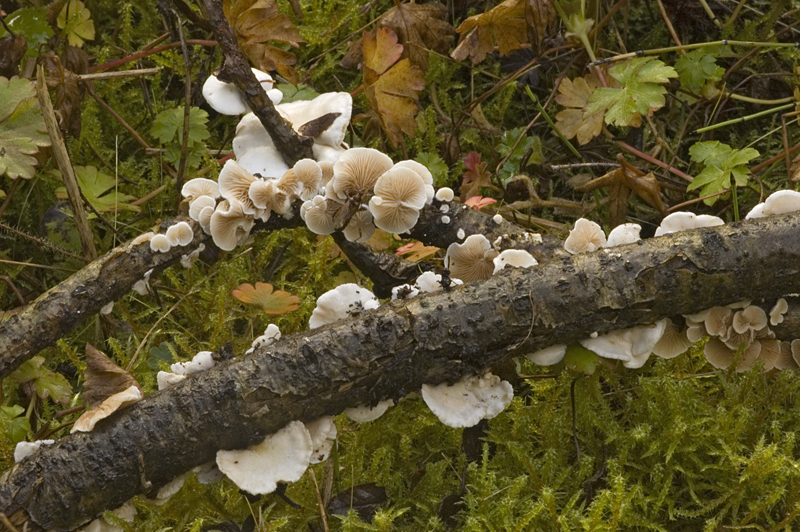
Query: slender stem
{"points": [[547, 118], [120, 74], [134, 57], [744, 118], [662, 164], [723, 42]]}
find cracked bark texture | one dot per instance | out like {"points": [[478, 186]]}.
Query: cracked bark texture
{"points": [[393, 350]]}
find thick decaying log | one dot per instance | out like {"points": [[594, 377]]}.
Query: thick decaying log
{"points": [[393, 350]]}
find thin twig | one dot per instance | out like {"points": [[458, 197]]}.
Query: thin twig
{"points": [[319, 501], [120, 74]]}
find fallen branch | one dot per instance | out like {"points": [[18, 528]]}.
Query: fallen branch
{"points": [[392, 351]]}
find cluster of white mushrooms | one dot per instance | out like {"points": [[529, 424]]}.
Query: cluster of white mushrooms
{"points": [[359, 189]]}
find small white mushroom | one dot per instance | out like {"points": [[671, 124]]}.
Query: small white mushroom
{"points": [[159, 243], [341, 302], [166, 379], [357, 171], [445, 194], [281, 457], [780, 202], [234, 185], [271, 335], [517, 258], [199, 187], [225, 98], [188, 260], [106, 309], [623, 234], [199, 204], [142, 286], [777, 312], [364, 414], [423, 173], [549, 355], [752, 318], [200, 362], [497, 218], [230, 225], [585, 236], [318, 213], [179, 234], [472, 260], [399, 196], [683, 221], [26, 448], [323, 435], [468, 401], [672, 343], [633, 345], [360, 228]]}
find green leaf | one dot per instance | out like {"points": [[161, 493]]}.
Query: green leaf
{"points": [[15, 425], [162, 354], [580, 359], [721, 162], [292, 93], [46, 382], [639, 94], [99, 190], [22, 129], [75, 19], [511, 167], [697, 68], [32, 24], [168, 126], [436, 166]]}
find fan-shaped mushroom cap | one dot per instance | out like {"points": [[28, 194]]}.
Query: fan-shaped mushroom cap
{"points": [[718, 320], [357, 171], [199, 187], [777, 312], [718, 354], [179, 234], [770, 353], [281, 457], [318, 213], [432, 282], [752, 318], [159, 243], [225, 97], [234, 185], [471, 260], [780, 202], [327, 171], [254, 149], [360, 227], [468, 401], [517, 258], [585, 236], [309, 178], [682, 221], [789, 355], [166, 379], [633, 346], [423, 172], [323, 434], [399, 196], [200, 362], [445, 194], [271, 335], [230, 225], [268, 196], [118, 401], [623, 234], [696, 332], [199, 204], [204, 218], [341, 302], [363, 413], [549, 355], [672, 343]]}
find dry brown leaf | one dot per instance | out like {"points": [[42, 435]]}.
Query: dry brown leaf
{"points": [[391, 86], [255, 22], [575, 121], [103, 378], [475, 177], [419, 27], [511, 25], [620, 182]]}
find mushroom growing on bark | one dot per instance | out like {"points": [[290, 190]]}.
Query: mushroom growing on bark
{"points": [[468, 401], [472, 260]]}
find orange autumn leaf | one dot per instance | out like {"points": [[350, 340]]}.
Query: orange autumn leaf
{"points": [[417, 250], [420, 27], [391, 86], [262, 295], [478, 203]]}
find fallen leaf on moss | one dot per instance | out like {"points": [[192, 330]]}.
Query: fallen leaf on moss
{"points": [[262, 295], [575, 121], [478, 203], [43, 381], [419, 27], [475, 177], [103, 378], [417, 250]]}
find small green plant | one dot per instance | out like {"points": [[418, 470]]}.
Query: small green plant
{"points": [[168, 129], [723, 167]]}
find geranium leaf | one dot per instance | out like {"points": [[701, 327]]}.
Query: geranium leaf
{"points": [[477, 202], [263, 296], [99, 190], [721, 162], [420, 27], [45, 382], [75, 19], [575, 121], [22, 129]]}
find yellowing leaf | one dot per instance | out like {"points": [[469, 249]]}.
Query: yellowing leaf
{"points": [[419, 26], [417, 250], [391, 87], [510, 24], [22, 129], [575, 121], [255, 23], [75, 20], [262, 295]]}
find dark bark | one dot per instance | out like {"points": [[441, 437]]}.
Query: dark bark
{"points": [[236, 69], [393, 350]]}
